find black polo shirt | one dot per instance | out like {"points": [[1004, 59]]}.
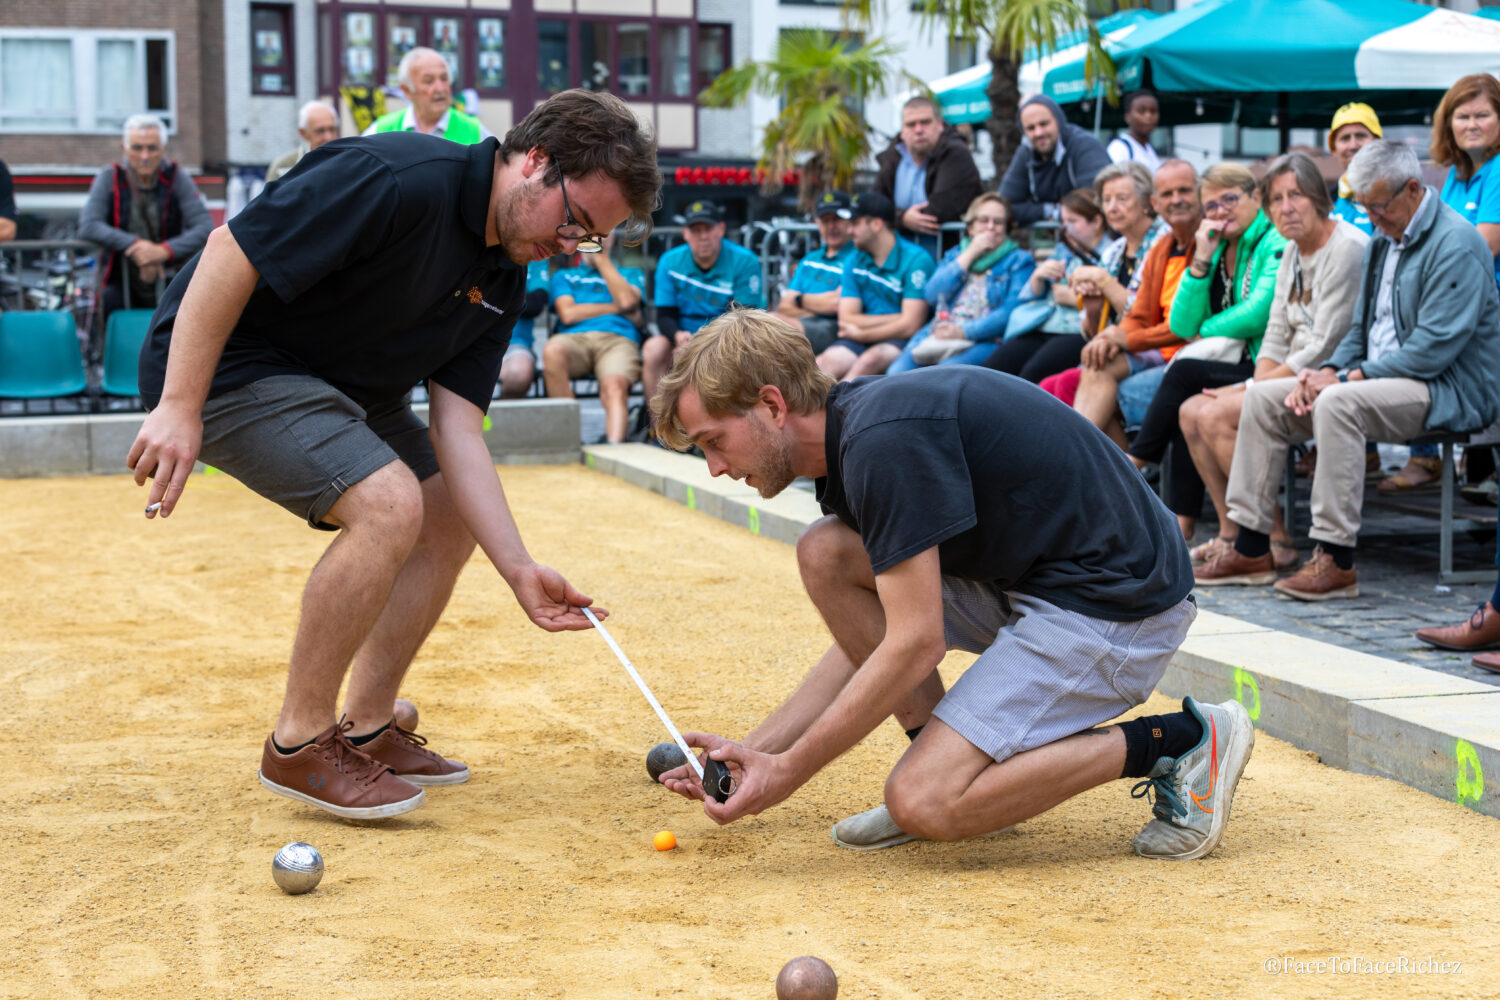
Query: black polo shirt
{"points": [[374, 275]]}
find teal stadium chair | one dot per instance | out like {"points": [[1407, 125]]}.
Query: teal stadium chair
{"points": [[39, 356], [122, 350]]}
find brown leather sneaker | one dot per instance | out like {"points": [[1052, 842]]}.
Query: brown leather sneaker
{"points": [[406, 753], [1481, 631], [332, 774], [1320, 579], [1230, 567]]}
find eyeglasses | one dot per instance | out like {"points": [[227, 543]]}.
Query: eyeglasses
{"points": [[587, 242], [1227, 202], [1383, 208]]}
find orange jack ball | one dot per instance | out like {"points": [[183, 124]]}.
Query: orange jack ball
{"points": [[406, 715], [664, 841]]}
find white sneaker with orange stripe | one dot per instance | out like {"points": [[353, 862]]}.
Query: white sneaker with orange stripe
{"points": [[1191, 795]]}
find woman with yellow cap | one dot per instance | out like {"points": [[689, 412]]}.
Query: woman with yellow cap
{"points": [[1353, 125]]}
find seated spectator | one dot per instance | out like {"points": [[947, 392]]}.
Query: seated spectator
{"points": [[7, 205], [518, 368], [423, 74], [146, 213], [811, 299], [1422, 354], [1353, 126], [1055, 158], [1310, 313], [317, 123], [1055, 344], [1222, 306], [882, 300], [1466, 139], [1108, 289], [695, 282], [1143, 339], [598, 307], [928, 172], [1142, 113], [973, 291]]}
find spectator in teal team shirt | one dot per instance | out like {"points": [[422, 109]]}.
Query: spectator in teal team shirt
{"points": [[598, 307], [1465, 139], [882, 299], [696, 282], [518, 370], [1353, 125], [811, 299]]}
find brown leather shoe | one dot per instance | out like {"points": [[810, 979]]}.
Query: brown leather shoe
{"points": [[1481, 631], [1488, 661], [332, 774], [1320, 579], [406, 753], [1230, 567]]}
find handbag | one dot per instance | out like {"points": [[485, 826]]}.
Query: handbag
{"points": [[1028, 316], [1227, 349], [933, 350]]}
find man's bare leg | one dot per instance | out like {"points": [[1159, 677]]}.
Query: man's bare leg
{"points": [[656, 361], [380, 518], [836, 361], [555, 368], [1098, 394], [874, 361], [416, 601], [614, 396]]}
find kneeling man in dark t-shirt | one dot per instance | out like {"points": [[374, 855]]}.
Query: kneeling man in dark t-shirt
{"points": [[285, 355], [964, 513]]}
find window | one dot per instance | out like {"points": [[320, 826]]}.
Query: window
{"points": [[633, 64], [359, 49], [713, 52], [55, 80], [401, 33], [593, 55], [271, 61], [675, 42], [552, 72], [489, 69]]}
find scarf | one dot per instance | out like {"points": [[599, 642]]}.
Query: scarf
{"points": [[989, 260]]}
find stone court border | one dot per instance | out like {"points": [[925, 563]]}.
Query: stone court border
{"points": [[1359, 712]]}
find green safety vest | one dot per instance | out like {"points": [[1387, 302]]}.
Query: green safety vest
{"points": [[462, 128]]}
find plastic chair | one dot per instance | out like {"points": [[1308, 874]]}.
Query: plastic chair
{"points": [[123, 337], [39, 356]]}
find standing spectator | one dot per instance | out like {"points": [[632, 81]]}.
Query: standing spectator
{"points": [[1353, 125], [146, 213], [1142, 112], [1422, 354], [518, 369], [695, 282], [598, 307], [423, 73], [811, 299], [928, 172], [7, 205], [1310, 313], [882, 300], [1055, 158], [974, 290], [317, 123]]}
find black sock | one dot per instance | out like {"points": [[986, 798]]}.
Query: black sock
{"points": [[912, 734], [360, 741], [1152, 737], [284, 751], [1343, 555], [1252, 544]]}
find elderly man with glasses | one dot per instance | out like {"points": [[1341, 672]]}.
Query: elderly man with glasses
{"points": [[1422, 354]]}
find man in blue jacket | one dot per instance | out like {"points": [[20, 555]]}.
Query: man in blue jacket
{"points": [[1054, 158], [1422, 354]]}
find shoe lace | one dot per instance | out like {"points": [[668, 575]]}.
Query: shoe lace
{"points": [[1163, 791], [417, 743], [348, 758], [1476, 620]]}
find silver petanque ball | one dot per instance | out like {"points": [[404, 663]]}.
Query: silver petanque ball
{"points": [[297, 868]]}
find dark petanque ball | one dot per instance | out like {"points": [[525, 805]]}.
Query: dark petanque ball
{"points": [[662, 758], [807, 978]]}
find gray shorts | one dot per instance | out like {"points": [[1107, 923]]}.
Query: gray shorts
{"points": [[1044, 673], [299, 442]]}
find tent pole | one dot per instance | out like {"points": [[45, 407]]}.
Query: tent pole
{"points": [[1098, 114], [1284, 118]]}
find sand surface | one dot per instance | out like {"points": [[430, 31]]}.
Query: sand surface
{"points": [[143, 665]]}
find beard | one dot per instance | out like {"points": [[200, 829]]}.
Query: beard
{"points": [[775, 472], [514, 206]]}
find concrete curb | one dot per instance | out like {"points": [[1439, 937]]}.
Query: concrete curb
{"points": [[520, 432], [1362, 713]]}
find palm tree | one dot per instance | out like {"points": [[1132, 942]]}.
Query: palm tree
{"points": [[1014, 28], [823, 80]]}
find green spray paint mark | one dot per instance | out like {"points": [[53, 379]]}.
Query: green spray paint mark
{"points": [[1243, 679], [589, 460], [488, 423], [209, 470], [1469, 778], [754, 521], [692, 499]]}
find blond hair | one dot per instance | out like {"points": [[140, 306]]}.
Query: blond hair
{"points": [[728, 362], [1229, 175]]}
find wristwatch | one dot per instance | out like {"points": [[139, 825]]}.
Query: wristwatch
{"points": [[797, 299], [1343, 376]]}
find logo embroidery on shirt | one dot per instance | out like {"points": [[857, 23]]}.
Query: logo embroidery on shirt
{"points": [[476, 297]]}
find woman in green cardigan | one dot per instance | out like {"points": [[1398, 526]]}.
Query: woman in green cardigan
{"points": [[1221, 308]]}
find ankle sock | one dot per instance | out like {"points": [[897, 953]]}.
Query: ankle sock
{"points": [[284, 750], [1343, 555], [360, 741], [1252, 544], [912, 734], [1152, 737]]}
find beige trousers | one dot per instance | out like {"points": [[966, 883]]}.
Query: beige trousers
{"points": [[1343, 417]]}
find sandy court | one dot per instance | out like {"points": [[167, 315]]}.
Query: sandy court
{"points": [[144, 664]]}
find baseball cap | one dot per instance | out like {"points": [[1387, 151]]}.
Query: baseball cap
{"points": [[874, 205], [701, 211], [832, 203], [1354, 114]]}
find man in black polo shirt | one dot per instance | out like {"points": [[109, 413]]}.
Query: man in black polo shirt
{"points": [[285, 353], [964, 514]]}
